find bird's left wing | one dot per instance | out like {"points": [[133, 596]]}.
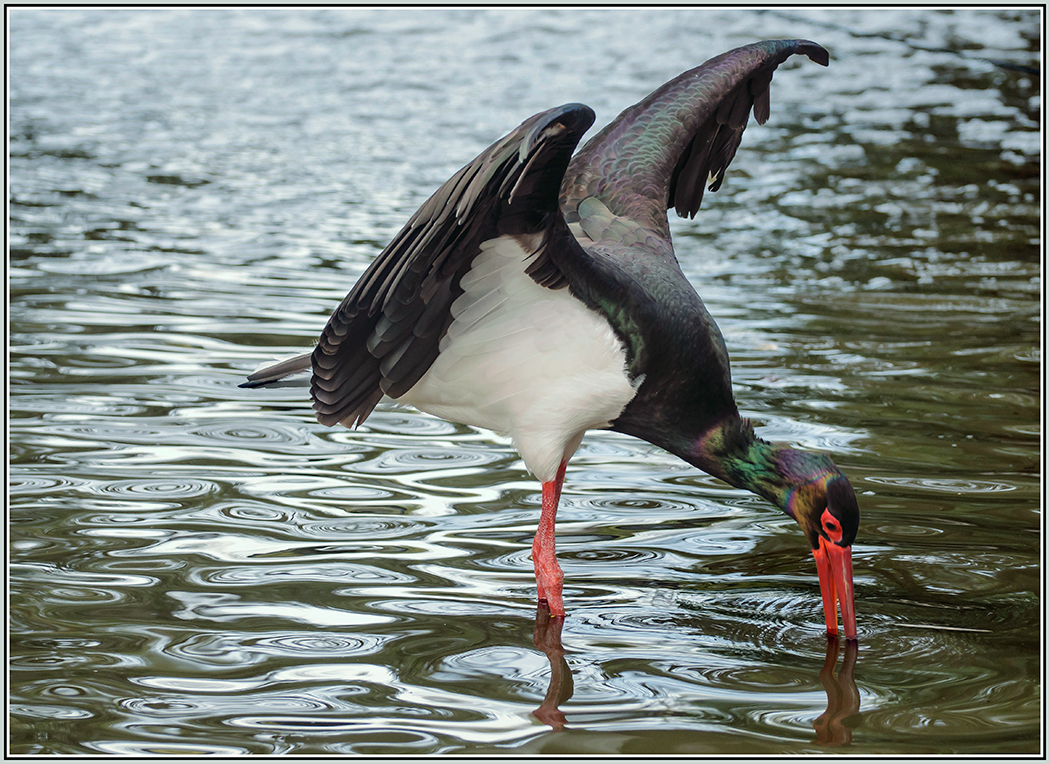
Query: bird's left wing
{"points": [[386, 333], [663, 151]]}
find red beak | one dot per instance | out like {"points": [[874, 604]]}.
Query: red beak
{"points": [[835, 570]]}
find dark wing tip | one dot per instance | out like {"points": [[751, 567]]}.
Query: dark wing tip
{"points": [[582, 116], [816, 53], [561, 128], [576, 116]]}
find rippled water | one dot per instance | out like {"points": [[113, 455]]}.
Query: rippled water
{"points": [[197, 568]]}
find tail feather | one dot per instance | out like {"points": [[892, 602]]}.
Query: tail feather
{"points": [[278, 371]]}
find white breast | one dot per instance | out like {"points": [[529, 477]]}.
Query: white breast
{"points": [[523, 360]]}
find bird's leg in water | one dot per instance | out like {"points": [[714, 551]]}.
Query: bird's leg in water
{"points": [[548, 573]]}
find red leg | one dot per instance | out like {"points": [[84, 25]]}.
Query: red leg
{"points": [[548, 573]]}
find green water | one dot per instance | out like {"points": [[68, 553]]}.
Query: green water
{"points": [[196, 568]]}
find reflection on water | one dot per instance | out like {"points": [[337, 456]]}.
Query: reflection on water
{"points": [[200, 569], [547, 637], [832, 726]]}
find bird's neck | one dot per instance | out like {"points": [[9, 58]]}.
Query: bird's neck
{"points": [[730, 450]]}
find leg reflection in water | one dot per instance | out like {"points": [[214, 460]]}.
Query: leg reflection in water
{"points": [[843, 698], [831, 726], [546, 635]]}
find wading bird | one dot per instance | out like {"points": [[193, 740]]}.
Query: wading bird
{"points": [[536, 294]]}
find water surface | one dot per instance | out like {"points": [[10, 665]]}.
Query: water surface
{"points": [[196, 568]]}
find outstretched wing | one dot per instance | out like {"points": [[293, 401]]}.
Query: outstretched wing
{"points": [[386, 333], [663, 151]]}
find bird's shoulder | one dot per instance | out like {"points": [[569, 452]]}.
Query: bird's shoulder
{"points": [[630, 274]]}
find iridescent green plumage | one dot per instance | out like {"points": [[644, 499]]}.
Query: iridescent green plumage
{"points": [[799, 482]]}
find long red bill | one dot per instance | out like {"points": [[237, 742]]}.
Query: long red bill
{"points": [[835, 570]]}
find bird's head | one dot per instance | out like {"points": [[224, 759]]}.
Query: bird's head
{"points": [[808, 487], [825, 508]]}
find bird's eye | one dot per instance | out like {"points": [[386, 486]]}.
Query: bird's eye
{"points": [[831, 526]]}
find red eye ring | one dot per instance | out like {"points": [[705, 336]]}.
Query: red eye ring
{"points": [[831, 526]]}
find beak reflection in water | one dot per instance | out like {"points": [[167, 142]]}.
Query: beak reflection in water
{"points": [[832, 727]]}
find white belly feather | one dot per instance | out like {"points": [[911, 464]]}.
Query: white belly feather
{"points": [[524, 360]]}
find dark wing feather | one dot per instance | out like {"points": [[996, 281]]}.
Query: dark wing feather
{"points": [[662, 152], [385, 334]]}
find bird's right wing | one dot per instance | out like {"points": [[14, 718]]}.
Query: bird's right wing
{"points": [[663, 151], [386, 333]]}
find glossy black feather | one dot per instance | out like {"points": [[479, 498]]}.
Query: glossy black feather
{"points": [[660, 152]]}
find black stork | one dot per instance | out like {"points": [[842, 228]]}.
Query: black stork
{"points": [[537, 294]]}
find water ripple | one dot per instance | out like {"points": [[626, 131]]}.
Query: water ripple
{"points": [[170, 487], [28, 485], [398, 461], [255, 575], [308, 643], [249, 433], [946, 485]]}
